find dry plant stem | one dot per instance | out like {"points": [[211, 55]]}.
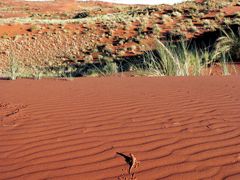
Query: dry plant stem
{"points": [[134, 163], [131, 160], [169, 53]]}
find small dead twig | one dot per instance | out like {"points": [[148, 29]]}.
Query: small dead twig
{"points": [[134, 163], [131, 160]]}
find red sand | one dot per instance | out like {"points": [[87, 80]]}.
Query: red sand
{"points": [[178, 128]]}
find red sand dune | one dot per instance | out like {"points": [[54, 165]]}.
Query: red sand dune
{"points": [[178, 128]]}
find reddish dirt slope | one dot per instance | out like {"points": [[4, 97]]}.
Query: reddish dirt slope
{"points": [[178, 128]]}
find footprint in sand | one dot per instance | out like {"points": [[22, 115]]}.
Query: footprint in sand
{"points": [[9, 114]]}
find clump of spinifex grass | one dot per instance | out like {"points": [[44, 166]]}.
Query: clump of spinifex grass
{"points": [[13, 67], [227, 49], [105, 68], [228, 44], [175, 59]]}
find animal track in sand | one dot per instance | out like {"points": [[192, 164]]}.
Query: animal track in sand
{"points": [[9, 114]]}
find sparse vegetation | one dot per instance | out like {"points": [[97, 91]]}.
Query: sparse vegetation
{"points": [[93, 36]]}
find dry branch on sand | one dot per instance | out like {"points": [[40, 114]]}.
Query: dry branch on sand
{"points": [[131, 160]]}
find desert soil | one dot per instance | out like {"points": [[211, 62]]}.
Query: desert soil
{"points": [[30, 27], [177, 128]]}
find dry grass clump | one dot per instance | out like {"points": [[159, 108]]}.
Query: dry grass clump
{"points": [[173, 59], [229, 44]]}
